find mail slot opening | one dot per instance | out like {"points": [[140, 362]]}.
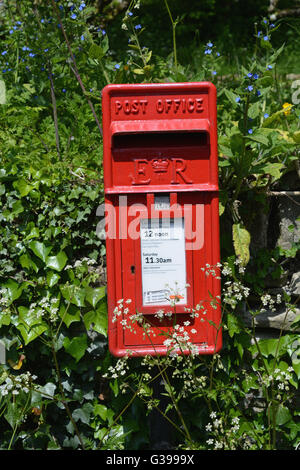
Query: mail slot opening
{"points": [[160, 139]]}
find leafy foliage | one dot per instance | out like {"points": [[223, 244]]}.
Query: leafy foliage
{"points": [[60, 388]]}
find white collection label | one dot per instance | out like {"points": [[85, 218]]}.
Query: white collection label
{"points": [[163, 261]]}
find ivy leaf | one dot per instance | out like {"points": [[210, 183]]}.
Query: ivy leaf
{"points": [[14, 289], [97, 319], [40, 249], [27, 262], [283, 415], [57, 262], [93, 295], [29, 326], [70, 315], [76, 347], [52, 278], [22, 187], [241, 242], [73, 294], [83, 413]]}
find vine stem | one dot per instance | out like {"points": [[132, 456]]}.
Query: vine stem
{"points": [[174, 24], [75, 69], [64, 402]]}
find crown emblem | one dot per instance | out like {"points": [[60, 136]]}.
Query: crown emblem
{"points": [[160, 165]]}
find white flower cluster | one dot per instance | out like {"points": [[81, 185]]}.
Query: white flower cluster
{"points": [[234, 292], [45, 308], [81, 262], [120, 309], [280, 379], [4, 297], [179, 340], [16, 384], [269, 302], [224, 437], [119, 370]]}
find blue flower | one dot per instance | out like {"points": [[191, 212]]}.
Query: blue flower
{"points": [[207, 51], [117, 66], [258, 93], [259, 34], [42, 20], [214, 72], [64, 90], [266, 115], [129, 13], [4, 52], [255, 76], [269, 67], [238, 99], [265, 21], [11, 31], [218, 54], [209, 44], [82, 37], [137, 26], [46, 50], [250, 131], [31, 54], [249, 88], [25, 48], [249, 75], [82, 6], [266, 38], [272, 25], [73, 16]]}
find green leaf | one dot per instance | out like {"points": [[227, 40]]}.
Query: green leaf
{"points": [[254, 110], [27, 262], [13, 414], [40, 249], [241, 242], [273, 169], [237, 144], [283, 415], [93, 295], [83, 413], [29, 325], [138, 71], [69, 315], [52, 278], [76, 347], [258, 137], [97, 52], [14, 289], [22, 187], [97, 319], [231, 96], [296, 137], [57, 262], [100, 410], [73, 294], [233, 324]]}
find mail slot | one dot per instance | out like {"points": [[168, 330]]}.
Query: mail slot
{"points": [[162, 218]]}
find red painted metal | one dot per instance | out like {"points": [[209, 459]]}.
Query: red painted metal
{"points": [[161, 140]]}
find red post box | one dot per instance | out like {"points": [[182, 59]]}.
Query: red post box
{"points": [[162, 218]]}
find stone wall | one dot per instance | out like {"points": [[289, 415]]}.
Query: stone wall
{"points": [[278, 225]]}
